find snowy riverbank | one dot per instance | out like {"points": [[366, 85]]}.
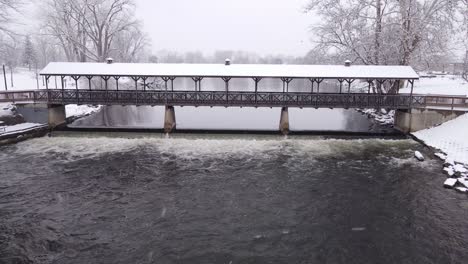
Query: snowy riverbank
{"points": [[380, 116], [78, 111], [24, 79], [451, 138]]}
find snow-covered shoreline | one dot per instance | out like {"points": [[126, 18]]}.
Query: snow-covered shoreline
{"points": [[78, 111], [12, 124], [451, 139], [381, 116]]}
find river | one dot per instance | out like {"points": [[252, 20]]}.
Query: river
{"points": [[142, 198]]}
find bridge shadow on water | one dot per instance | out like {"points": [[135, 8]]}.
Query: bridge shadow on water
{"points": [[222, 120]]}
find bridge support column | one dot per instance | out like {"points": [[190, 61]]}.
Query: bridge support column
{"points": [[169, 119], [408, 121], [53, 115], [284, 121]]}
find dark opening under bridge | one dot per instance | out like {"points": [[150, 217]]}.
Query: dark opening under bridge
{"points": [[135, 84]]}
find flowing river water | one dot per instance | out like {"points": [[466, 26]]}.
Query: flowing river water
{"points": [[88, 198]]}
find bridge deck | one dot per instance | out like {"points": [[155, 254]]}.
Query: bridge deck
{"points": [[236, 99]]}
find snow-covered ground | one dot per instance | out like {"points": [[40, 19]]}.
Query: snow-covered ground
{"points": [[20, 128], [80, 110], [381, 116], [6, 110], [441, 84], [451, 137], [23, 79]]}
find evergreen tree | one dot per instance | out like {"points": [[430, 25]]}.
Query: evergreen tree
{"points": [[29, 55]]}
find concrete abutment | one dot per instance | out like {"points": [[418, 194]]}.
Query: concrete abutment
{"points": [[169, 119], [53, 115], [284, 121], [408, 121]]}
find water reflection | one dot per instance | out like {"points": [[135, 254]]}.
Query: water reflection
{"points": [[220, 118]]}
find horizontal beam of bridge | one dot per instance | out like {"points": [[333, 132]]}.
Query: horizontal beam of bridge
{"points": [[235, 99]]}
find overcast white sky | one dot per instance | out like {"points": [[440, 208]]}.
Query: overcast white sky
{"points": [[261, 26]]}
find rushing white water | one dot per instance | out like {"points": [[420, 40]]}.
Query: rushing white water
{"points": [[138, 198], [201, 146]]}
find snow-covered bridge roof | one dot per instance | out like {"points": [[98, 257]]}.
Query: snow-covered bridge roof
{"points": [[235, 70]]}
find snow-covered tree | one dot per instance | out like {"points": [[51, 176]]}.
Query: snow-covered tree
{"points": [[29, 53], [59, 23], [90, 29], [47, 49], [465, 38], [384, 31], [354, 28], [10, 52], [8, 9], [131, 46]]}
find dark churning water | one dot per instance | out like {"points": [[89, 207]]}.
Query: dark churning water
{"points": [[88, 199]]}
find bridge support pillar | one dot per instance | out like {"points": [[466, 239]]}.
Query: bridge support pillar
{"points": [[408, 121], [53, 115], [169, 119], [284, 121]]}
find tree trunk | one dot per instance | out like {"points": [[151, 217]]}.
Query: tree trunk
{"points": [[465, 67], [378, 31], [11, 77]]}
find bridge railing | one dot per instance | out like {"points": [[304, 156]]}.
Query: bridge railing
{"points": [[232, 98], [235, 98], [17, 96], [442, 101]]}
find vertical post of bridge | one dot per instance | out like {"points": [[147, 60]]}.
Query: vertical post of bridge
{"points": [[226, 81], [256, 80], [169, 119], [284, 121]]}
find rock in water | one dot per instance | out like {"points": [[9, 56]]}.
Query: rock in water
{"points": [[419, 156], [459, 168], [463, 181], [449, 171], [449, 183], [441, 156]]}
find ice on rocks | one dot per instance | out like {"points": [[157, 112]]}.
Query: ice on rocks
{"points": [[441, 156], [459, 168], [450, 138], [450, 183], [380, 115], [463, 182], [419, 156], [6, 110], [461, 189], [449, 171], [81, 110], [449, 162]]}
